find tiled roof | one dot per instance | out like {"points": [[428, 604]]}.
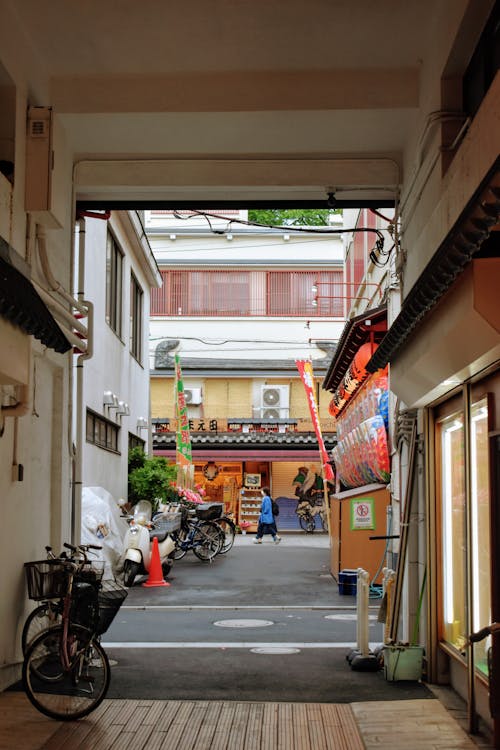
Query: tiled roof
{"points": [[356, 333], [21, 304], [243, 440], [164, 360]]}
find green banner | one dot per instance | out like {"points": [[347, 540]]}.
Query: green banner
{"points": [[183, 452]]}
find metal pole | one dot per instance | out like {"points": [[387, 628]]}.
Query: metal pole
{"points": [[404, 538]]}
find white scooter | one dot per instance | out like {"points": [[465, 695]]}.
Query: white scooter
{"points": [[138, 544]]}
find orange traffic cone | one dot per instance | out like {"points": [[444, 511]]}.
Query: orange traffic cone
{"points": [[155, 572]]}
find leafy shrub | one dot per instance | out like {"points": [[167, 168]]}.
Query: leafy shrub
{"points": [[152, 481], [136, 458]]}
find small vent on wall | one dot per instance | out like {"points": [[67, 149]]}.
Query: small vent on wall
{"points": [[39, 128]]}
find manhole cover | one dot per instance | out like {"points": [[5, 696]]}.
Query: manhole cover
{"points": [[243, 623], [275, 650]]}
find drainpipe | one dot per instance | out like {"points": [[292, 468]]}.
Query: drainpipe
{"points": [[76, 500], [54, 285]]}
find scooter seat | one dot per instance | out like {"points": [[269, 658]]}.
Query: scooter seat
{"points": [[158, 534]]}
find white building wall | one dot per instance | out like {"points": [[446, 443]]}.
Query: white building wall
{"points": [[187, 245], [112, 366], [36, 499]]}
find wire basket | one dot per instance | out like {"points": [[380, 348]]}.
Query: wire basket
{"points": [[46, 579], [111, 597], [167, 521]]}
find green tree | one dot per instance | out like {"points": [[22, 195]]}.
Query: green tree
{"points": [[152, 481], [312, 217], [136, 458]]}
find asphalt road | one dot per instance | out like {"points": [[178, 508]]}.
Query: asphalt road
{"points": [[264, 622]]}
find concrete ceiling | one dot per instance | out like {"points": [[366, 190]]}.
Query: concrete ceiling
{"points": [[229, 99]]}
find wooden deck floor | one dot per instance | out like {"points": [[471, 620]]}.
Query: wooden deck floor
{"points": [[225, 725]]}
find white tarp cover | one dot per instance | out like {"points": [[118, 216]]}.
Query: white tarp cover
{"points": [[102, 524]]}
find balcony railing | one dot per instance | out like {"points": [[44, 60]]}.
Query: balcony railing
{"points": [[244, 293]]}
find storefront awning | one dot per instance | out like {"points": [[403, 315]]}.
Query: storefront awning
{"points": [[21, 305], [357, 331]]}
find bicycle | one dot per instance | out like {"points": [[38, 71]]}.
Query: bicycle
{"points": [[205, 538], [46, 614], [66, 671], [228, 528], [307, 509]]}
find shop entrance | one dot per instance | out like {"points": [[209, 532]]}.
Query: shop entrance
{"points": [[238, 486]]}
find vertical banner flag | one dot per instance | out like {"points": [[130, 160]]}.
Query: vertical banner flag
{"points": [[306, 373], [183, 456]]}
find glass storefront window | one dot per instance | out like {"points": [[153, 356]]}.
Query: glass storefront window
{"points": [[480, 521], [454, 626], [455, 596]]}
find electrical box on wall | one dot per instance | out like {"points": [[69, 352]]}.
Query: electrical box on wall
{"points": [[39, 166]]}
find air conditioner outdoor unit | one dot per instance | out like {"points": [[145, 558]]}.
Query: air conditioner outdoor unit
{"points": [[193, 396], [274, 401], [271, 413]]}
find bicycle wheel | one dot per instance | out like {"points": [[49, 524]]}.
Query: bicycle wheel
{"points": [[66, 694], [42, 617], [324, 520], [179, 537], [229, 531], [207, 541], [307, 523]]}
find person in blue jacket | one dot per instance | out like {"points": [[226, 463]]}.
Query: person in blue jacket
{"points": [[267, 524]]}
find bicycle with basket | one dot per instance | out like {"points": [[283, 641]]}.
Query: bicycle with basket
{"points": [[66, 671], [200, 532]]}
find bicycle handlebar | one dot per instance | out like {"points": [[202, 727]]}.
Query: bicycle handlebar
{"points": [[82, 549]]}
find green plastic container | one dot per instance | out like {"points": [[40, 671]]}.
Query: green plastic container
{"points": [[403, 662]]}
